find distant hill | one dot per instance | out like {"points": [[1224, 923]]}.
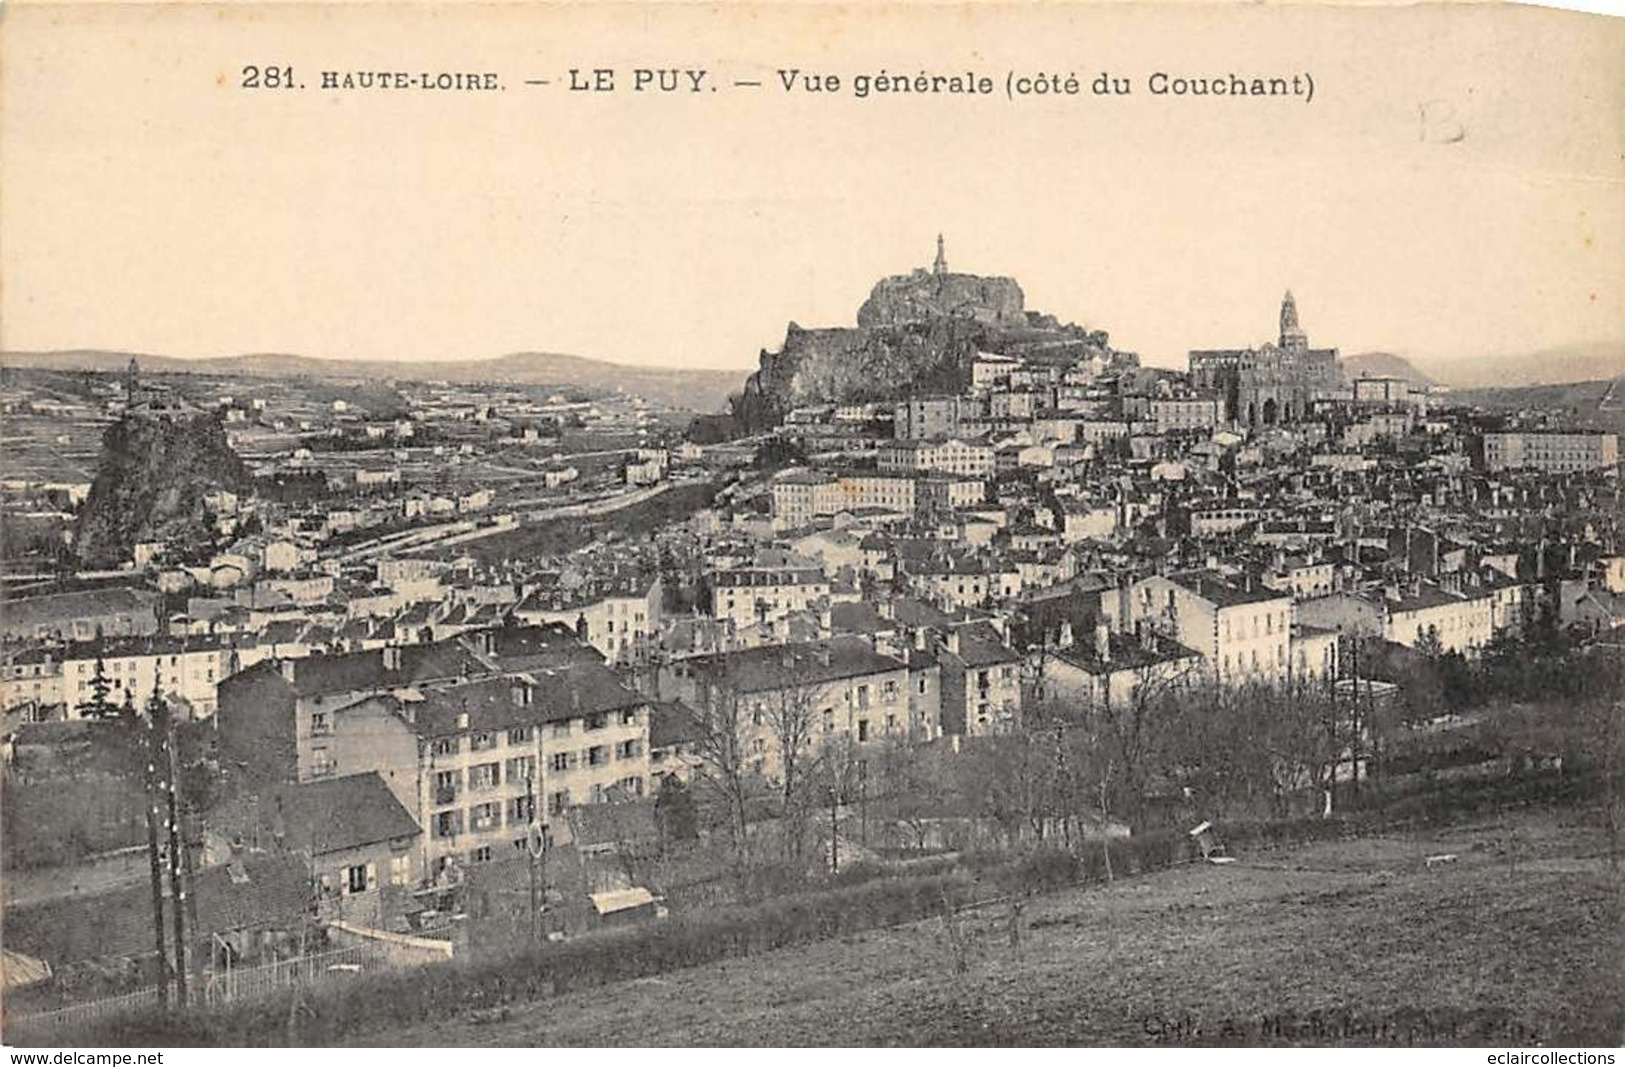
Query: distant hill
{"points": [[1596, 405], [1567, 363], [682, 388], [1383, 365]]}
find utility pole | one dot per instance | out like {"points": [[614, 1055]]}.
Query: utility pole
{"points": [[177, 887], [536, 846], [155, 867], [834, 833], [863, 801]]}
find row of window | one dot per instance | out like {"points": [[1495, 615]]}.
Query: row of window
{"points": [[521, 810], [485, 740]]}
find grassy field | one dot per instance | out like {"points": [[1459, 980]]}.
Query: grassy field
{"points": [[1515, 942]]}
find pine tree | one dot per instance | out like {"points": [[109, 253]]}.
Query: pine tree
{"points": [[99, 706]]}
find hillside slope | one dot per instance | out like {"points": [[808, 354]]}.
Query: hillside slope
{"points": [[1351, 942]]}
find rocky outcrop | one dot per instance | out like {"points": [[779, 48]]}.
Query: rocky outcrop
{"points": [[923, 296], [916, 333], [150, 483]]}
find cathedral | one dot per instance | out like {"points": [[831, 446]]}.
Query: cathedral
{"points": [[1273, 383]]}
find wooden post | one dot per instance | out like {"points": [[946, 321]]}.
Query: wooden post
{"points": [[155, 866]]}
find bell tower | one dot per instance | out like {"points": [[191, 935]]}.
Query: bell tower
{"points": [[1293, 339], [940, 267]]}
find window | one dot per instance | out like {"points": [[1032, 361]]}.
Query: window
{"points": [[629, 749], [485, 776], [400, 869], [863, 729], [629, 717], [522, 769], [446, 746], [446, 786], [481, 742], [520, 735], [597, 722], [480, 855], [563, 761], [318, 724], [448, 823], [557, 802], [357, 878], [484, 817], [561, 729], [321, 763], [521, 810], [597, 755]]}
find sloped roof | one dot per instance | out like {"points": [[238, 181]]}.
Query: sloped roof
{"points": [[336, 814]]}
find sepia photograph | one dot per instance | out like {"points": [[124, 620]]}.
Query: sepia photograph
{"points": [[749, 525]]}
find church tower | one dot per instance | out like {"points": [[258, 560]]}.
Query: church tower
{"points": [[1293, 339], [940, 267]]}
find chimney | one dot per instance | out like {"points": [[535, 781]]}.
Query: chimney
{"points": [[392, 658], [462, 720], [289, 671], [887, 609], [1064, 638], [921, 636], [1103, 642], [951, 641], [521, 694], [1148, 639], [575, 700], [823, 655]]}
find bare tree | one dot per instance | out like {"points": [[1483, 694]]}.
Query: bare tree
{"points": [[723, 736], [789, 714]]}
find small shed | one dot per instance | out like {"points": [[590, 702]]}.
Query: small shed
{"points": [[619, 906]]}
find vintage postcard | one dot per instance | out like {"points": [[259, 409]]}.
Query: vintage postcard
{"points": [[786, 524]]}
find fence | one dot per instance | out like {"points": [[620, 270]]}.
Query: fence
{"points": [[60, 1025], [43, 1025]]}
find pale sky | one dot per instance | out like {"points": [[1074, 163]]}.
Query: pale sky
{"points": [[148, 204]]}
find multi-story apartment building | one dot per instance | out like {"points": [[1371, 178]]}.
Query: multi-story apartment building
{"points": [[1215, 520], [32, 676], [1184, 414], [981, 680], [1114, 670], [841, 688], [974, 459], [1416, 613], [1243, 630], [801, 496], [619, 616], [1549, 452], [276, 718], [481, 760], [774, 584], [189, 668], [922, 418]]}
